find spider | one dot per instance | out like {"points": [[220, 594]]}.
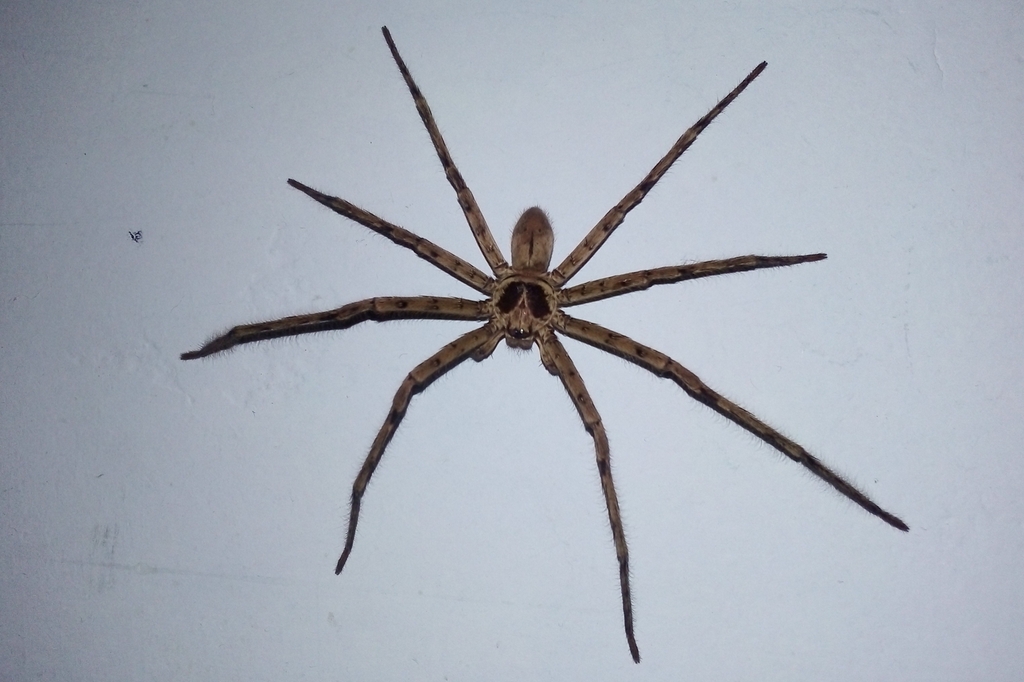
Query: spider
{"points": [[525, 306]]}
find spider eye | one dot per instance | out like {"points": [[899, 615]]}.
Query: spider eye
{"points": [[519, 333]]}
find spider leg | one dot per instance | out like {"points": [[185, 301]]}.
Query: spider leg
{"points": [[663, 366], [558, 362], [425, 249], [618, 285], [376, 309], [613, 218], [420, 378], [475, 218]]}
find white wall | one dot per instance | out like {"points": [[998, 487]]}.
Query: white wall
{"points": [[162, 520]]}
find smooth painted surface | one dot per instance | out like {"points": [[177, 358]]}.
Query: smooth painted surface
{"points": [[163, 520]]}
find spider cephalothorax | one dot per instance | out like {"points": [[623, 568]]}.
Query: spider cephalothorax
{"points": [[525, 308]]}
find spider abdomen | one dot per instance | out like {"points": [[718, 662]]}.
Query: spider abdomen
{"points": [[533, 240]]}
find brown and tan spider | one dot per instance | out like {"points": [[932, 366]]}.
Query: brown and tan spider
{"points": [[524, 306]]}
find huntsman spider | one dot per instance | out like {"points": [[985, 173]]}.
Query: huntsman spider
{"points": [[524, 305]]}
